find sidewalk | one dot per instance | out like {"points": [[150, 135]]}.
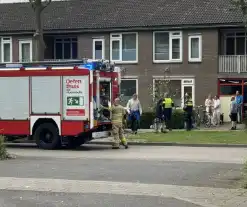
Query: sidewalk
{"points": [[224, 127]]}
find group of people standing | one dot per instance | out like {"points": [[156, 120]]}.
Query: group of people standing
{"points": [[213, 109], [164, 108]]}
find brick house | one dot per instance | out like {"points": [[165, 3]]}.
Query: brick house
{"points": [[197, 44]]}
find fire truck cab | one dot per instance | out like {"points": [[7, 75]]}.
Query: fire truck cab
{"points": [[57, 103]]}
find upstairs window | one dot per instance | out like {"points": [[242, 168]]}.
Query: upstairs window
{"points": [[98, 49], [167, 47], [123, 47], [65, 48], [195, 48], [6, 50]]}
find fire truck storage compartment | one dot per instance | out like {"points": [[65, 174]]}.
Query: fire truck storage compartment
{"points": [[105, 90], [46, 95], [14, 101], [76, 97]]}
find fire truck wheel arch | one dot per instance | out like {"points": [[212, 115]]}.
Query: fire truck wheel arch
{"points": [[37, 120]]}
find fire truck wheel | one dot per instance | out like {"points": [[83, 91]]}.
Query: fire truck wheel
{"points": [[47, 136]]}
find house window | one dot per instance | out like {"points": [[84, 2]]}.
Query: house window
{"points": [[235, 43], [65, 48], [176, 88], [128, 87], [6, 49], [124, 47], [98, 49], [195, 48], [172, 87], [25, 50], [167, 47]]}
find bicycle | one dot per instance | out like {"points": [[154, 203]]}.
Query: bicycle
{"points": [[201, 117]]}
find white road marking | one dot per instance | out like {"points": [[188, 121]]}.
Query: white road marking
{"points": [[187, 154], [204, 196]]}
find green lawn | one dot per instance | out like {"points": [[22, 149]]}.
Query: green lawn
{"points": [[194, 137]]}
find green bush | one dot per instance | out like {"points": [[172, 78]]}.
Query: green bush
{"points": [[3, 151], [147, 119]]}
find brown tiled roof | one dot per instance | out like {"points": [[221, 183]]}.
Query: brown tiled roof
{"points": [[112, 14]]}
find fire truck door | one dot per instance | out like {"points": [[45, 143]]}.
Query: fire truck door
{"points": [[105, 91]]}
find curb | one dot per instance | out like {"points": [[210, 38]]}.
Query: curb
{"points": [[164, 144], [174, 144]]}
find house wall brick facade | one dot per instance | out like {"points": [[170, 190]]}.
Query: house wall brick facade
{"points": [[205, 72]]}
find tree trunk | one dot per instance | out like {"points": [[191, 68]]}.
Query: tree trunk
{"points": [[39, 46]]}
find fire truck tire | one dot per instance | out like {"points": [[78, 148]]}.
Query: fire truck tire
{"points": [[47, 136]]}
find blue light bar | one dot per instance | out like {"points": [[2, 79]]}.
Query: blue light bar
{"points": [[90, 65]]}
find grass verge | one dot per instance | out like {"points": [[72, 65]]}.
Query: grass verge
{"points": [[193, 137]]}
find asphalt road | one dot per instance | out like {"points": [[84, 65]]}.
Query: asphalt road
{"points": [[34, 199], [98, 176]]}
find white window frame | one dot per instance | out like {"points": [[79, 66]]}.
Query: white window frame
{"points": [[118, 37], [135, 79], [183, 85], [29, 41], [103, 47], [199, 59], [6, 40], [172, 35]]}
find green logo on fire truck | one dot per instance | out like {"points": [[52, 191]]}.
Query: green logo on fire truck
{"points": [[75, 101]]}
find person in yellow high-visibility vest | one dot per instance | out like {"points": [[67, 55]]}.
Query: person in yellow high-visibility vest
{"points": [[167, 112]]}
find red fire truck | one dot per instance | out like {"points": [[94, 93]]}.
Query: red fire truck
{"points": [[56, 103]]}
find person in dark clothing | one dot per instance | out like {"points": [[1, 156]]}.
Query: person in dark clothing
{"points": [[188, 109], [158, 115]]}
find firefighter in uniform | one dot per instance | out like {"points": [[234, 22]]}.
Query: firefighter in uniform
{"points": [[117, 113], [188, 109], [167, 112]]}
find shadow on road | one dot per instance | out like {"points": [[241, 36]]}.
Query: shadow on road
{"points": [[86, 147]]}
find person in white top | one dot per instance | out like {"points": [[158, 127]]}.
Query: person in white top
{"points": [[216, 111], [134, 109], [209, 104]]}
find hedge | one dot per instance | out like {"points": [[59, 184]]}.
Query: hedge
{"points": [[147, 119]]}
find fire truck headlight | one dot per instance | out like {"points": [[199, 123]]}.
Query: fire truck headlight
{"points": [[115, 79]]}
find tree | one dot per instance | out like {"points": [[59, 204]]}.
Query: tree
{"points": [[242, 6], [38, 6], [163, 86]]}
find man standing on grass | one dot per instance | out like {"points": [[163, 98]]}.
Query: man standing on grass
{"points": [[188, 109], [158, 115], [134, 109], [239, 101], [167, 112]]}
